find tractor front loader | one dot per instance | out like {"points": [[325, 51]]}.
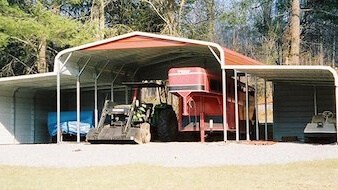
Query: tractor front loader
{"points": [[136, 122]]}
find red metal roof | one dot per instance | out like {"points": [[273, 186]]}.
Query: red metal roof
{"points": [[136, 42], [139, 41], [234, 58]]}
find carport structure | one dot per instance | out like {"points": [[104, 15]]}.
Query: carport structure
{"points": [[131, 57], [138, 56], [300, 91]]}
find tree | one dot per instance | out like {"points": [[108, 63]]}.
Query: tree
{"points": [[295, 33], [36, 29]]}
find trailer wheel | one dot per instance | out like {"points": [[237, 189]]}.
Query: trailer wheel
{"points": [[167, 127]]}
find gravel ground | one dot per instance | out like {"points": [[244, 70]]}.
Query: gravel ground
{"points": [[180, 154]]}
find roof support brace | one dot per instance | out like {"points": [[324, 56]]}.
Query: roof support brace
{"points": [[214, 53], [112, 83], [96, 78], [58, 96]]}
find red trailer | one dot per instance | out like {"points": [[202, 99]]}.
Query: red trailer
{"points": [[200, 100]]}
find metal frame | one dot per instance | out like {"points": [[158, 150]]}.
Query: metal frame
{"points": [[97, 76], [265, 114], [78, 101], [292, 67], [58, 95], [256, 109], [236, 106], [221, 60], [247, 106]]}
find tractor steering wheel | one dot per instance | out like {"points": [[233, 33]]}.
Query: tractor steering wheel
{"points": [[327, 114]]}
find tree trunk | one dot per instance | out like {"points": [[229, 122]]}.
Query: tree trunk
{"points": [[171, 17], [97, 17], [295, 33], [180, 15], [42, 66], [211, 19]]}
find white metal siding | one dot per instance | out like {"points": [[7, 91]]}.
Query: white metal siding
{"points": [[294, 107], [6, 117], [24, 117]]}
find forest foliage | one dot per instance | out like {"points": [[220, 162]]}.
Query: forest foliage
{"points": [[32, 32]]}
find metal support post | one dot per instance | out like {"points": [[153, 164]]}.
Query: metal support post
{"points": [[256, 110], [236, 106], [315, 99], [225, 121], [126, 95], [78, 109], [336, 94], [95, 102], [265, 112], [112, 92], [78, 101], [97, 76], [247, 107], [58, 98]]}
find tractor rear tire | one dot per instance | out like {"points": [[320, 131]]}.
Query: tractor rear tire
{"points": [[167, 127]]}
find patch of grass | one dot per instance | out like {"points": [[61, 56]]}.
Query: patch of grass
{"points": [[304, 175]]}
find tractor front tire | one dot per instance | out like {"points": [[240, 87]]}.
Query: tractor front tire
{"points": [[167, 127]]}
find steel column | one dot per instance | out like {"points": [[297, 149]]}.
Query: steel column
{"points": [[78, 109], [315, 99], [225, 120], [112, 92], [266, 113], [78, 101], [247, 106], [58, 105], [97, 76], [256, 110], [95, 102], [58, 98], [336, 94], [126, 94], [236, 106]]}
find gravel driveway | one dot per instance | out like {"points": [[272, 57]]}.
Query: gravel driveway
{"points": [[179, 154]]}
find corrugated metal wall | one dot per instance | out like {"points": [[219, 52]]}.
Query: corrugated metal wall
{"points": [[23, 116], [6, 117], [294, 107]]}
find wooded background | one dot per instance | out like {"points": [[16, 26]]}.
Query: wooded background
{"points": [[304, 32]]}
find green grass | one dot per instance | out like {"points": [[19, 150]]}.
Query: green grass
{"points": [[304, 175]]}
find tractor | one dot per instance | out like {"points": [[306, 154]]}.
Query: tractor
{"points": [[138, 121]]}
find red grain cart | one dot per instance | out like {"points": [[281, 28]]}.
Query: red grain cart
{"points": [[200, 100]]}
